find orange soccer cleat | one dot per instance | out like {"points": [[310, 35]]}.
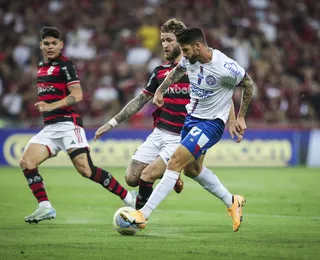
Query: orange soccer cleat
{"points": [[235, 211], [135, 217]]}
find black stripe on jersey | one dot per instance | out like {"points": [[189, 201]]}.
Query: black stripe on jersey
{"points": [[171, 118], [50, 78], [58, 112], [167, 127], [76, 120], [52, 100], [175, 107]]}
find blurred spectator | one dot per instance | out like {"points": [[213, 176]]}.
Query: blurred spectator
{"points": [[11, 103], [114, 44]]}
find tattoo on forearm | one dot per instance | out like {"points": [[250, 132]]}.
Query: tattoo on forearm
{"points": [[172, 77], [133, 107], [70, 100], [247, 85]]}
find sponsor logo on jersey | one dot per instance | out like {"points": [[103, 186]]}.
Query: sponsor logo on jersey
{"points": [[200, 92], [45, 88], [174, 89], [232, 67]]}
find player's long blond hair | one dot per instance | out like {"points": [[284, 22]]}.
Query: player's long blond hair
{"points": [[172, 26]]}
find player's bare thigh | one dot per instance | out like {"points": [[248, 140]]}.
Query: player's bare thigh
{"points": [[154, 171], [33, 155], [193, 169], [134, 171], [180, 159]]}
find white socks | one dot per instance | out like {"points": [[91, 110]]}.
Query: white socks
{"points": [[128, 198], [45, 204], [161, 191], [209, 181]]}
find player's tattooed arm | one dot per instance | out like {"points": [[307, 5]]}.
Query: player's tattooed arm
{"points": [[75, 94], [247, 86], [133, 107], [173, 76], [74, 97], [70, 100]]}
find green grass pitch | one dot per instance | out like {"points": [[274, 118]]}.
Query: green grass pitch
{"points": [[281, 219]]}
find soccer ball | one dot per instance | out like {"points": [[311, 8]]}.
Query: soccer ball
{"points": [[121, 225]]}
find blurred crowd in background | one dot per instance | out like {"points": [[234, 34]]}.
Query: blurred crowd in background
{"points": [[115, 45]]}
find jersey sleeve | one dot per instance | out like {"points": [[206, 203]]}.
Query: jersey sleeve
{"points": [[152, 84], [241, 74], [70, 73]]}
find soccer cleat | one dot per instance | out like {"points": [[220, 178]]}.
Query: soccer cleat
{"points": [[41, 213], [132, 203], [135, 217], [178, 187], [235, 211], [140, 202]]}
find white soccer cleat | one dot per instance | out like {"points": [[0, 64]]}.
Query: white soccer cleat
{"points": [[41, 213]]}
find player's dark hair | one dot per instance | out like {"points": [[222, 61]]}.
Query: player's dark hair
{"points": [[47, 31], [172, 26], [191, 36]]}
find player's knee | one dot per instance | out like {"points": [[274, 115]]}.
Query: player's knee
{"points": [[175, 164], [150, 174], [26, 163], [132, 181], [192, 171], [84, 170]]}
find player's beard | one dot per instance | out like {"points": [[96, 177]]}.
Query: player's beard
{"points": [[194, 58], [176, 51]]}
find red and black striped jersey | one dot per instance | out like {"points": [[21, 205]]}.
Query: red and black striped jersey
{"points": [[172, 114], [53, 79]]}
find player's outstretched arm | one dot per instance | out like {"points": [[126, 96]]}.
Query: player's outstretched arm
{"points": [[247, 85], [129, 110], [74, 97], [173, 76], [234, 128]]}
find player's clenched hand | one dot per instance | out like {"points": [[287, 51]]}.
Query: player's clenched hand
{"points": [[43, 106], [158, 98], [241, 124], [233, 126], [103, 129]]}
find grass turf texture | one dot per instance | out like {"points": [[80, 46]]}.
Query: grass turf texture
{"points": [[281, 219]]}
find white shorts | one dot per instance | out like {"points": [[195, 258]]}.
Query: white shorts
{"points": [[61, 136], [159, 143]]}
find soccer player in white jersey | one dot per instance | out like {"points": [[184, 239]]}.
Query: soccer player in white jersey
{"points": [[150, 160], [213, 77]]}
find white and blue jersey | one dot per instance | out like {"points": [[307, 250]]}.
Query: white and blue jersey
{"points": [[212, 85], [211, 89]]}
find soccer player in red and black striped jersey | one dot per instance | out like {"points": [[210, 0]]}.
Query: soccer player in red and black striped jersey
{"points": [[58, 89], [150, 160]]}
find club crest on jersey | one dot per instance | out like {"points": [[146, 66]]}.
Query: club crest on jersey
{"points": [[210, 80]]}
